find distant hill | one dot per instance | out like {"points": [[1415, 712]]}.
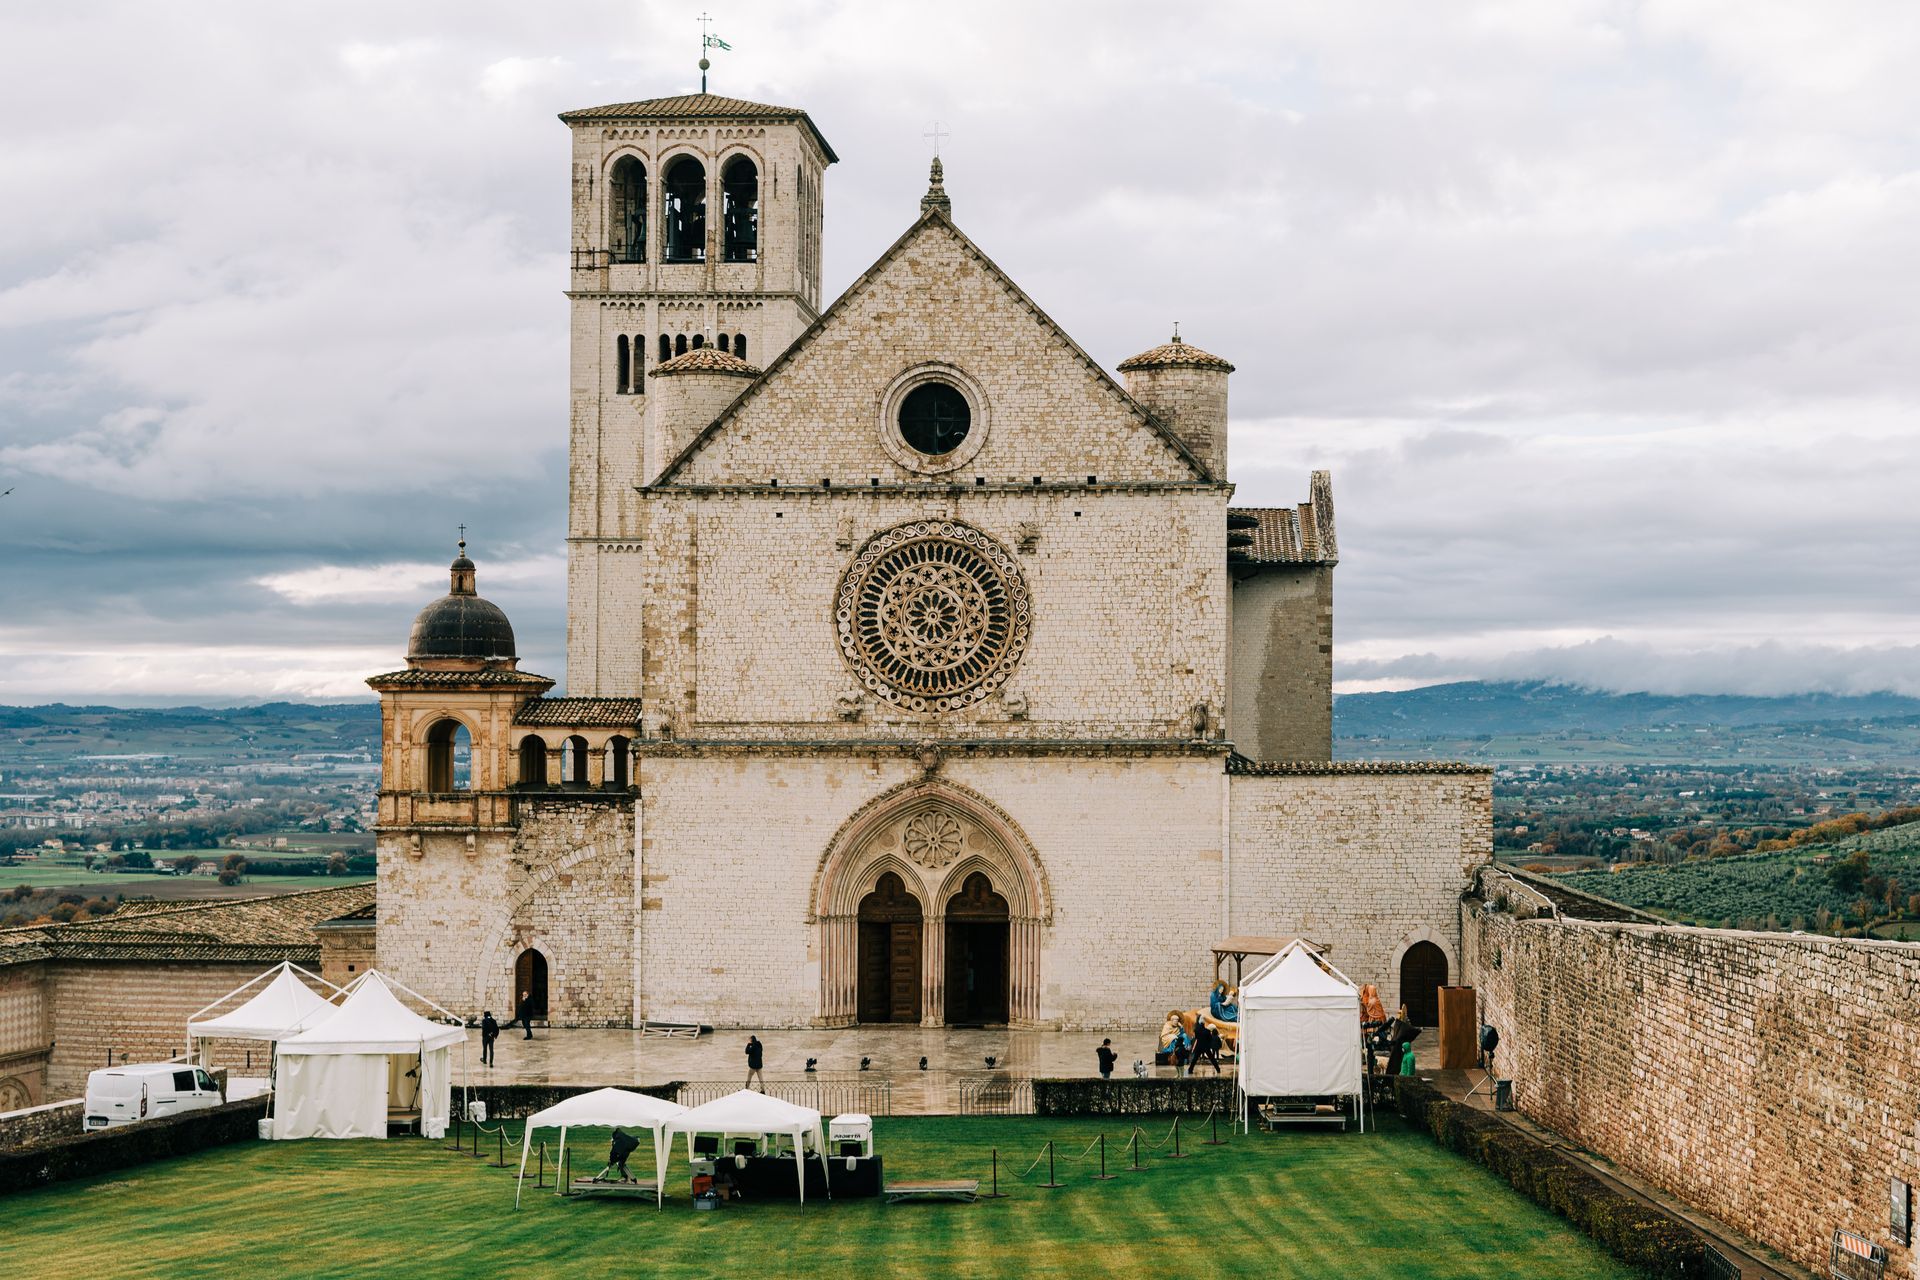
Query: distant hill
{"points": [[1534, 707], [62, 731]]}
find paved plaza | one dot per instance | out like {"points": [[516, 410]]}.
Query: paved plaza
{"points": [[956, 1059]]}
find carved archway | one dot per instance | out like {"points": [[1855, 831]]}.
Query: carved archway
{"points": [[932, 834]]}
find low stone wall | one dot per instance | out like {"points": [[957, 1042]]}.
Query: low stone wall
{"points": [[83, 1155], [1193, 1095], [40, 1124], [1768, 1079]]}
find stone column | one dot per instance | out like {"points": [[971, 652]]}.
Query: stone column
{"points": [[933, 971]]}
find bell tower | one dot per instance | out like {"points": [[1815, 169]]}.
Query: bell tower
{"points": [[696, 223]]}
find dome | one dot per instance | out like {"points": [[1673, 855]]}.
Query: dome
{"points": [[1177, 353], [460, 625]]}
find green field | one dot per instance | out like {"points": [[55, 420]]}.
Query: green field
{"points": [[1385, 1206], [1785, 889]]}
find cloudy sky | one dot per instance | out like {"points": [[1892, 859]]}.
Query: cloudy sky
{"points": [[1603, 315]]}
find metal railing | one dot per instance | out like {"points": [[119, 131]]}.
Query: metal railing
{"points": [[1721, 1267], [830, 1096], [996, 1095]]}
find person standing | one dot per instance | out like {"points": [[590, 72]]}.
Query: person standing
{"points": [[489, 1032], [1107, 1058], [1207, 1042], [756, 1053]]}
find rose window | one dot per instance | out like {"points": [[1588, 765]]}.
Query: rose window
{"points": [[932, 839], [932, 615]]}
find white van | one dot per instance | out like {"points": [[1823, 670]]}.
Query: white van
{"points": [[142, 1090]]}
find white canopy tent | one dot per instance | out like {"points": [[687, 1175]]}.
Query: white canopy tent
{"points": [[284, 1007], [750, 1113], [1300, 1031], [605, 1108], [342, 1076]]}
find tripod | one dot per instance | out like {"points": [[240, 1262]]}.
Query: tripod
{"points": [[1486, 1079]]}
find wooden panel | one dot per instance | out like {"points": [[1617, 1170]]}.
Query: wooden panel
{"points": [[1459, 1030], [904, 978]]}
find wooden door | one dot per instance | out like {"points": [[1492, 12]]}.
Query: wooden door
{"points": [[904, 973], [1423, 971]]}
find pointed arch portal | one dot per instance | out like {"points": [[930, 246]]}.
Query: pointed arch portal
{"points": [[930, 907]]}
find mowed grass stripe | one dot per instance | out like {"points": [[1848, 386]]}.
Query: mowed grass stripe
{"points": [[1384, 1206]]}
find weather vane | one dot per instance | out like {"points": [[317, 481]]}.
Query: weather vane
{"points": [[708, 41], [937, 134]]}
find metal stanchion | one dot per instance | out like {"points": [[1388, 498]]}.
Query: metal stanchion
{"points": [[1103, 1175], [1051, 1180], [1135, 1144], [1213, 1124], [565, 1171], [540, 1178], [995, 1193], [500, 1156], [1177, 1153]]}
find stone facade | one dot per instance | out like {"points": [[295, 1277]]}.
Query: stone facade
{"points": [[1767, 1079], [937, 714]]}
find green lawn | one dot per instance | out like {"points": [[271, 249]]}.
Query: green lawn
{"points": [[1385, 1206]]}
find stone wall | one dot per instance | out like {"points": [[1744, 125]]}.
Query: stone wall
{"points": [[26, 1035], [347, 950], [42, 1124], [1281, 696], [136, 1011], [456, 915], [1768, 1079], [1366, 859]]}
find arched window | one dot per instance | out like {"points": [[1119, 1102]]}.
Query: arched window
{"points": [[740, 191], [724, 342], [625, 361], [573, 761], [533, 761], [680, 345], [639, 364], [666, 348], [617, 748], [699, 341], [740, 345], [627, 210], [684, 210], [449, 751]]}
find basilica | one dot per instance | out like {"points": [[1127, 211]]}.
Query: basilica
{"points": [[919, 670]]}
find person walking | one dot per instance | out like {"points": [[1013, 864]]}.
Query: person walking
{"points": [[523, 1013], [1107, 1058], [756, 1053], [1206, 1047], [489, 1032]]}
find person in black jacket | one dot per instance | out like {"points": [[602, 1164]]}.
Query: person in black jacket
{"points": [[1107, 1058], [755, 1053], [489, 1032], [523, 1013]]}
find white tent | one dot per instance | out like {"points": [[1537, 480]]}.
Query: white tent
{"points": [[1300, 1031], [284, 1007], [749, 1113], [605, 1108], [342, 1076]]}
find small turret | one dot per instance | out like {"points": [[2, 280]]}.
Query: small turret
{"points": [[689, 392], [1186, 388]]}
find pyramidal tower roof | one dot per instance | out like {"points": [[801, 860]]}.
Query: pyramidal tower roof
{"points": [[699, 106]]}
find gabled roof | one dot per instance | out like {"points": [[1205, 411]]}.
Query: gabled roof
{"points": [[1292, 535], [698, 106], [932, 221]]}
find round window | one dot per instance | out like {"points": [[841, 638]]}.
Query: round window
{"points": [[934, 418]]}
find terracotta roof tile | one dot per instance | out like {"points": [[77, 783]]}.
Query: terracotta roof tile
{"points": [[590, 713], [1287, 535], [705, 360], [413, 678], [265, 929], [698, 106], [1176, 352]]}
